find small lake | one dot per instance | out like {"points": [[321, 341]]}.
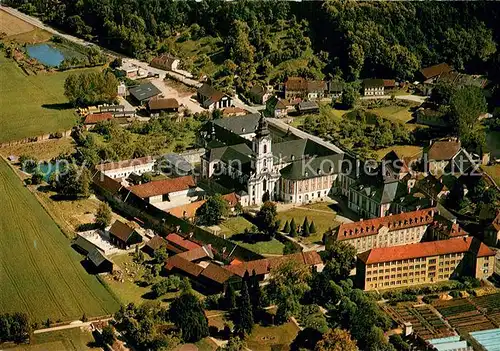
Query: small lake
{"points": [[48, 168], [46, 54]]}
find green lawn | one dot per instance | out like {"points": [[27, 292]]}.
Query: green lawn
{"points": [[401, 150], [32, 105], [74, 339], [323, 218], [272, 338], [236, 225], [394, 113], [40, 273], [494, 172]]}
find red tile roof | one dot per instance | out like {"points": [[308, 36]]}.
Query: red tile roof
{"points": [[296, 84], [189, 210], [264, 266], [216, 273], [389, 83], [443, 150], [183, 265], [106, 183], [186, 211], [436, 70], [156, 242], [198, 253], [121, 230], [400, 221], [162, 187], [425, 249], [233, 110], [162, 104], [125, 164], [97, 117], [179, 241]]}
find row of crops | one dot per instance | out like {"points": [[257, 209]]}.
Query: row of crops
{"points": [[471, 314], [426, 323]]}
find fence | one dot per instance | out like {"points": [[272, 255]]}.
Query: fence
{"points": [[37, 139]]}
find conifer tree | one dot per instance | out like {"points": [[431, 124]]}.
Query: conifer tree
{"points": [[305, 227], [230, 297], [293, 228], [245, 314], [312, 228], [286, 228]]}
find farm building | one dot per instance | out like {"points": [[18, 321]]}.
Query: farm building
{"points": [[157, 105], [91, 120], [166, 62], [123, 169], [99, 261], [168, 193], [123, 236], [154, 244], [373, 87], [210, 98], [308, 107], [177, 165], [144, 92]]}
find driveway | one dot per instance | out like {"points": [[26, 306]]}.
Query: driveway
{"points": [[414, 98]]}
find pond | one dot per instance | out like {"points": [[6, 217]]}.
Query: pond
{"points": [[46, 54], [48, 168]]}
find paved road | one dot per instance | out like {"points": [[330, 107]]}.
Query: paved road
{"points": [[75, 324]]}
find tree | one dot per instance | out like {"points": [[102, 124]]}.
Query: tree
{"points": [[229, 297], [466, 104], [286, 228], [160, 255], [350, 96], [36, 178], [290, 248], [255, 295], [108, 335], [171, 283], [340, 259], [399, 344], [212, 211], [336, 340], [267, 217], [245, 314], [146, 177], [217, 114], [186, 312], [305, 228], [74, 182], [312, 228], [28, 163], [103, 215], [234, 344], [91, 88], [293, 228]]}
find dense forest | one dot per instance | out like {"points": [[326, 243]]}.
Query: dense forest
{"points": [[349, 39]]}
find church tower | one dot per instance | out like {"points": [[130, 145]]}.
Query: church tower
{"points": [[262, 148], [262, 182]]}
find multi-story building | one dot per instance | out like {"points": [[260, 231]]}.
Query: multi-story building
{"points": [[285, 164], [423, 263], [373, 87], [400, 229]]}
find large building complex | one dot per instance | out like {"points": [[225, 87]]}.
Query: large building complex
{"points": [[269, 161], [399, 229], [423, 263]]}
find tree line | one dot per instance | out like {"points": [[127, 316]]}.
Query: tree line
{"points": [[14, 327], [352, 39]]}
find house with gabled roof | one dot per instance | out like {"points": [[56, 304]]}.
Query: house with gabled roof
{"points": [[448, 156], [211, 98], [123, 169], [373, 87], [144, 92], [492, 231], [123, 235], [259, 94], [100, 263]]}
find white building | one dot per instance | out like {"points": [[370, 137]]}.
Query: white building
{"points": [[122, 169]]}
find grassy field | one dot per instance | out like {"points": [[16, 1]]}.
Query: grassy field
{"points": [[236, 225], [272, 338], [41, 274], [11, 25], [76, 339], [494, 172], [320, 213], [394, 113], [44, 151], [32, 105]]}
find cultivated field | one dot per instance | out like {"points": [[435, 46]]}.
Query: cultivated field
{"points": [[11, 25], [32, 105], [39, 272]]}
